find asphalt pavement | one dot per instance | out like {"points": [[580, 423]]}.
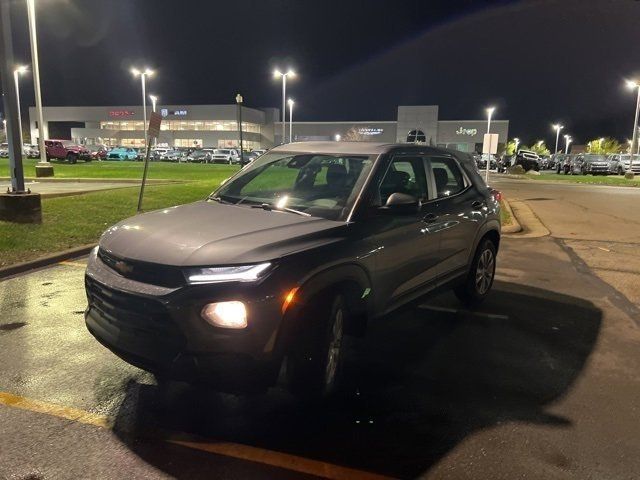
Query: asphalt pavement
{"points": [[542, 381]]}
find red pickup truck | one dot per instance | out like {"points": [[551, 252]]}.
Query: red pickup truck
{"points": [[66, 150]]}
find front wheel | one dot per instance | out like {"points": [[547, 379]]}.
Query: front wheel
{"points": [[314, 365], [480, 277], [71, 158]]}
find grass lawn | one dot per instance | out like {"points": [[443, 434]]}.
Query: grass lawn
{"points": [[77, 220], [107, 170], [505, 217], [615, 180]]}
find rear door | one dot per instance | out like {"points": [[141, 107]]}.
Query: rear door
{"points": [[456, 213]]}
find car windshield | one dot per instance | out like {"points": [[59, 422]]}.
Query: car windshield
{"points": [[319, 185], [223, 152], [198, 154], [596, 158]]}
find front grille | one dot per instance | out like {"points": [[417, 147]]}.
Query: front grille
{"points": [[133, 313], [145, 272]]}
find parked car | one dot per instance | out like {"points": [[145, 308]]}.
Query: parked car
{"points": [[259, 151], [481, 162], [619, 163], [563, 163], [98, 152], [4, 150], [226, 155], [122, 153], [66, 150], [199, 156], [159, 153], [585, 163], [545, 161], [528, 159], [304, 246], [174, 156], [31, 151], [248, 157]]}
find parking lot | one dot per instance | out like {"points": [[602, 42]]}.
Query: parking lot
{"points": [[541, 382]]}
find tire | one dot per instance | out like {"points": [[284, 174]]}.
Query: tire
{"points": [[620, 171], [71, 158], [479, 280], [314, 365]]}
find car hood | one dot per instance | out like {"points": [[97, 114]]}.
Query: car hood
{"points": [[210, 233]]}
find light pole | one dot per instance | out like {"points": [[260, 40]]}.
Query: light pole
{"points": [[147, 72], [634, 140], [290, 102], [43, 167], [490, 111], [154, 101], [289, 73], [337, 137], [567, 141], [239, 101], [557, 127], [16, 73]]}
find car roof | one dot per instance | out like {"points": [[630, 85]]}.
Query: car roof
{"points": [[355, 148]]}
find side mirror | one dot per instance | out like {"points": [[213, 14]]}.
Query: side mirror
{"points": [[401, 203]]}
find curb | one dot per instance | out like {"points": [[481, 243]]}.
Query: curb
{"points": [[45, 261], [135, 181], [531, 225], [515, 227]]}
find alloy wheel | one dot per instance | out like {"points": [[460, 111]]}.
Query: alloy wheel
{"points": [[485, 271], [335, 349]]}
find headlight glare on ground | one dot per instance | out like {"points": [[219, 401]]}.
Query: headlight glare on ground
{"points": [[242, 273], [231, 314]]}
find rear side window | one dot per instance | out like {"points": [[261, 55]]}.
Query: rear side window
{"points": [[448, 178]]}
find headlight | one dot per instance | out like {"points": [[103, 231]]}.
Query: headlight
{"points": [[226, 314], [242, 273]]}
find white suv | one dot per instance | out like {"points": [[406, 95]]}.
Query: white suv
{"points": [[225, 155]]}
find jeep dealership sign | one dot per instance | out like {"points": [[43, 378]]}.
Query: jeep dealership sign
{"points": [[467, 131]]}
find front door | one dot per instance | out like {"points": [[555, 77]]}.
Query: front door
{"points": [[406, 250]]}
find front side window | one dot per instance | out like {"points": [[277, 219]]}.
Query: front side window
{"points": [[320, 185], [448, 177], [404, 175]]}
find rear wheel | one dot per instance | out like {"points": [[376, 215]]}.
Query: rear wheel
{"points": [[314, 365], [72, 157], [480, 277]]}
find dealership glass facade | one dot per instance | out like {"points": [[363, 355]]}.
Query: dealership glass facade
{"points": [[182, 125]]}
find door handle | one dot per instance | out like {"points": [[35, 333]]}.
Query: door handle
{"points": [[430, 218], [478, 204]]}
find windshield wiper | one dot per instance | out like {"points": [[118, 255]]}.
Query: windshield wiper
{"points": [[269, 207], [219, 200]]}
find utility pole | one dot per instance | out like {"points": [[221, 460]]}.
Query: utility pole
{"points": [[17, 204], [239, 101]]}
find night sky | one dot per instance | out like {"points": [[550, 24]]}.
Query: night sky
{"points": [[537, 61]]}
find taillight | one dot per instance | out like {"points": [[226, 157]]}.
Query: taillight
{"points": [[496, 194]]}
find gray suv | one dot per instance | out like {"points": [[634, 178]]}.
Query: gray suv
{"points": [[304, 246]]}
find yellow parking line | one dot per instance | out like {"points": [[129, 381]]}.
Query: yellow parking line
{"points": [[75, 414], [74, 264], [227, 449], [281, 460]]}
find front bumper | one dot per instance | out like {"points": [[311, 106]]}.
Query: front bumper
{"points": [[159, 329]]}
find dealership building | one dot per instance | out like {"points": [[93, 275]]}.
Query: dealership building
{"points": [[216, 126]]}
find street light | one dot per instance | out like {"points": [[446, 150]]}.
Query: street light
{"points": [[154, 101], [16, 73], [557, 127], [490, 111], [567, 141], [239, 101], [634, 140], [289, 73], [147, 72], [290, 102], [44, 165], [337, 137]]}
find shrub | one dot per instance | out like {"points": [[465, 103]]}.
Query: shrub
{"points": [[516, 170], [628, 175]]}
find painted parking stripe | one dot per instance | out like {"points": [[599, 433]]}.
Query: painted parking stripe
{"points": [[228, 449], [495, 316]]}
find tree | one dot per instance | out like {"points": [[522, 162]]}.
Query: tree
{"points": [[510, 148], [353, 135], [604, 146], [540, 148]]}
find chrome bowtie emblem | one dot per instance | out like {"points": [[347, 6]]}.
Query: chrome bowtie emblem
{"points": [[123, 267]]}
